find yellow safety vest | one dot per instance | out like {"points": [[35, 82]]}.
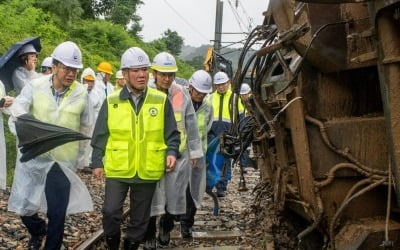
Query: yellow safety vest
{"points": [[202, 125], [67, 114], [226, 113], [136, 141]]}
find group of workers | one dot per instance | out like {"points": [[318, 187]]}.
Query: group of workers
{"points": [[149, 138]]}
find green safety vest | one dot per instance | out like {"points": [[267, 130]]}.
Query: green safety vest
{"points": [[178, 101], [202, 125], [67, 114], [136, 144]]}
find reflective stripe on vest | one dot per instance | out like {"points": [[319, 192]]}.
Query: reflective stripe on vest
{"points": [[136, 143], [226, 106], [201, 123]]}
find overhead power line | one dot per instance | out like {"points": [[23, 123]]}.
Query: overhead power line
{"points": [[237, 16], [249, 19], [185, 21]]}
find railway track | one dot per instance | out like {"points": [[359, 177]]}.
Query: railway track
{"points": [[83, 231], [210, 232]]}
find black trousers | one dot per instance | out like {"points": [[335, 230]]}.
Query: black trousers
{"points": [[141, 195], [187, 219], [57, 191], [166, 222]]}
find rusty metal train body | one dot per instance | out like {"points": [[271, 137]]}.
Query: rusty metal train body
{"points": [[326, 98]]}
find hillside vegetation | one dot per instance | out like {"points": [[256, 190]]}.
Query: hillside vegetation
{"points": [[99, 40], [57, 21]]}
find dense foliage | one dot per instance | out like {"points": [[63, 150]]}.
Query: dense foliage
{"points": [[55, 21]]}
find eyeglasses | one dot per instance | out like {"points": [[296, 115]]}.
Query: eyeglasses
{"points": [[67, 69]]}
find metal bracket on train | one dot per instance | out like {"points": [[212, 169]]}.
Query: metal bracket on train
{"points": [[285, 39]]}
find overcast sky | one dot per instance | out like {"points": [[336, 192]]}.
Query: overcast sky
{"points": [[194, 20]]}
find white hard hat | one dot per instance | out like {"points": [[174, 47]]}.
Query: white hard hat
{"points": [[27, 48], [89, 74], [164, 62], [69, 54], [220, 78], [119, 75], [134, 58], [47, 62], [201, 81], [245, 89]]}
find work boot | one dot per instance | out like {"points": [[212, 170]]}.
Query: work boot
{"points": [[186, 231], [150, 244], [163, 237], [113, 241], [35, 242], [130, 245]]}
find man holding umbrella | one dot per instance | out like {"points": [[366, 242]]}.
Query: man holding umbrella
{"points": [[48, 182]]}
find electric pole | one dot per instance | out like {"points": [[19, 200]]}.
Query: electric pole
{"points": [[218, 26]]}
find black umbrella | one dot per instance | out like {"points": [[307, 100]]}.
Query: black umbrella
{"points": [[36, 137], [9, 61]]}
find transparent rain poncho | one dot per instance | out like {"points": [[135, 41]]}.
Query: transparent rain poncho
{"points": [[3, 162], [171, 190], [27, 193]]}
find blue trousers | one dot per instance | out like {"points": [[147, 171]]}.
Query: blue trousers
{"points": [[226, 175], [57, 191]]}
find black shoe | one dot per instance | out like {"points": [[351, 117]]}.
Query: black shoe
{"points": [[220, 193], [186, 232], [35, 242], [113, 241], [130, 245], [163, 237], [150, 244]]}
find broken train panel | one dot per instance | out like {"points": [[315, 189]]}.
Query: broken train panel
{"points": [[326, 98]]}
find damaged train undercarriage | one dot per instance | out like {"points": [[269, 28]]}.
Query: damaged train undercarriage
{"points": [[326, 101]]}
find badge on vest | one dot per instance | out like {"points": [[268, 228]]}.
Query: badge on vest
{"points": [[115, 105], [153, 111]]}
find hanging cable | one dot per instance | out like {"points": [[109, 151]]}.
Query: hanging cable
{"points": [[250, 20], [237, 16]]}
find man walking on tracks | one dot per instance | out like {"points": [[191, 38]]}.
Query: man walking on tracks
{"points": [[48, 183], [136, 132], [221, 103], [200, 84], [169, 199]]}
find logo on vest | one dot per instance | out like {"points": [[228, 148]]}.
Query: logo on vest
{"points": [[153, 111], [115, 105]]}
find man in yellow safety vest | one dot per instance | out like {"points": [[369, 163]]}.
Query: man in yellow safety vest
{"points": [[136, 134]]}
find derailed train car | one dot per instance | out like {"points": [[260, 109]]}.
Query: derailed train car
{"points": [[326, 98]]}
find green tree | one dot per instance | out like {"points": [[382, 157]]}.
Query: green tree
{"points": [[159, 45], [173, 41], [196, 62], [66, 11], [87, 7], [121, 12]]}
